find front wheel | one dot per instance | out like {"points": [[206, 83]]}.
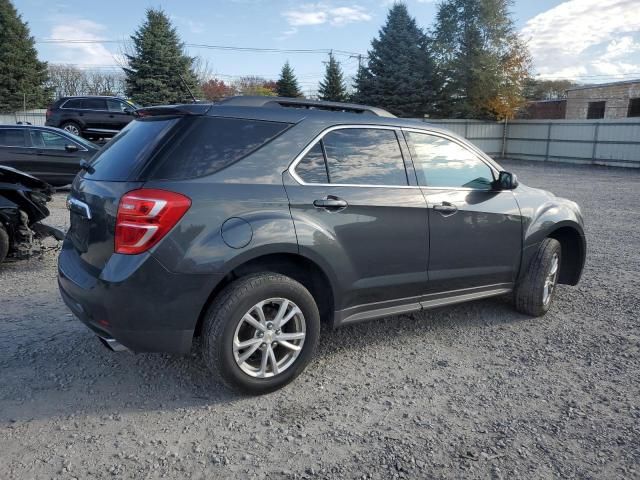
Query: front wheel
{"points": [[535, 291], [261, 332]]}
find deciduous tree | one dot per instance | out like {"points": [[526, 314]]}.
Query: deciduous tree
{"points": [[483, 61]]}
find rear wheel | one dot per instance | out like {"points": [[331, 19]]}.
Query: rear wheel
{"points": [[72, 127], [261, 332], [536, 289], [4, 243]]}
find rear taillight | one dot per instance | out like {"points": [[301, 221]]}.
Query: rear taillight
{"points": [[47, 115], [145, 216]]}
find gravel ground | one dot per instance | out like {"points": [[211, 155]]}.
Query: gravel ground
{"points": [[475, 390]]}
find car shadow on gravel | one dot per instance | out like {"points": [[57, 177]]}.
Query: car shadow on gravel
{"points": [[77, 375]]}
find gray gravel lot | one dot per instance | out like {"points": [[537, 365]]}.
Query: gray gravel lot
{"points": [[474, 390]]}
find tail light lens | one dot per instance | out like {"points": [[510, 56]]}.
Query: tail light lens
{"points": [[145, 216], [47, 115]]}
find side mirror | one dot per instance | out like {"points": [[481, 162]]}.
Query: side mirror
{"points": [[71, 148], [129, 111], [507, 181]]}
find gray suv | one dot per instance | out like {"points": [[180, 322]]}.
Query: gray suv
{"points": [[252, 221]]}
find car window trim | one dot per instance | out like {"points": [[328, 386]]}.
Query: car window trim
{"points": [[494, 171], [62, 107], [322, 134]]}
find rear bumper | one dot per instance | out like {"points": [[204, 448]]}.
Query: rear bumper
{"points": [[135, 301]]}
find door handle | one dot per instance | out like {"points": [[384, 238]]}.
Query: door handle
{"points": [[330, 203], [446, 208]]}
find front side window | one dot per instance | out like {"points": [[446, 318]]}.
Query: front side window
{"points": [[116, 106], [364, 156], [48, 140], [441, 162], [12, 137]]}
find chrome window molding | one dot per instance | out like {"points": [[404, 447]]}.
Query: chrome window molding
{"points": [[321, 135]]}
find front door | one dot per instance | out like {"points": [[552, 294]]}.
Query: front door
{"points": [[357, 215], [475, 230], [55, 161]]}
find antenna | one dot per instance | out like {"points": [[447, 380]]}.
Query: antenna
{"points": [[188, 89]]}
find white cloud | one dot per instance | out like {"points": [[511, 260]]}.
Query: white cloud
{"points": [[71, 29], [579, 37], [320, 13]]}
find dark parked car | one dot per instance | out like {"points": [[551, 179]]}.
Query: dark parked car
{"points": [[92, 117], [252, 221], [49, 154]]}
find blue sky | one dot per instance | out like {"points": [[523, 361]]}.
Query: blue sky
{"points": [[591, 41]]}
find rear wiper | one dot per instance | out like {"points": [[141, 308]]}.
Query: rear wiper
{"points": [[86, 166]]}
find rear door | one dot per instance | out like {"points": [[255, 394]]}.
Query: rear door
{"points": [[14, 149], [475, 231], [94, 114], [355, 210]]}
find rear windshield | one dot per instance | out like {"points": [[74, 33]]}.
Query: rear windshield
{"points": [[209, 144], [126, 153]]}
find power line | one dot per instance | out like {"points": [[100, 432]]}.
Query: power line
{"points": [[232, 48]]}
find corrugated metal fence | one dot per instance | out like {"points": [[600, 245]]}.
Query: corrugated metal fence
{"points": [[34, 117], [603, 142]]}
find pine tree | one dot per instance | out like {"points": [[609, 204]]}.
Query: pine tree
{"points": [[157, 62], [22, 75], [483, 61], [360, 85], [287, 85], [333, 88], [400, 73]]}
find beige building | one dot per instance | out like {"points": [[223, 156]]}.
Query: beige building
{"points": [[607, 100]]}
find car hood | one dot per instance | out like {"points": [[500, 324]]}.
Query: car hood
{"points": [[13, 175]]}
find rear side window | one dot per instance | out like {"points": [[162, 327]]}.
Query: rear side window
{"points": [[129, 149], [73, 103], [312, 168], [364, 156], [211, 143], [12, 137], [94, 104]]}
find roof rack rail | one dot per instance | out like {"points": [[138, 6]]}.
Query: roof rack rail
{"points": [[279, 102]]}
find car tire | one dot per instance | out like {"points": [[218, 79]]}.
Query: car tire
{"points": [[226, 328], [535, 290], [72, 127], [4, 243]]}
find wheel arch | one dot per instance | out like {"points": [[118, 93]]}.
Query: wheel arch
{"points": [[573, 253], [296, 266]]}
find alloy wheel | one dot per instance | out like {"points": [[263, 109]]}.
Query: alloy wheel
{"points": [[269, 338], [550, 280], [72, 129]]}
